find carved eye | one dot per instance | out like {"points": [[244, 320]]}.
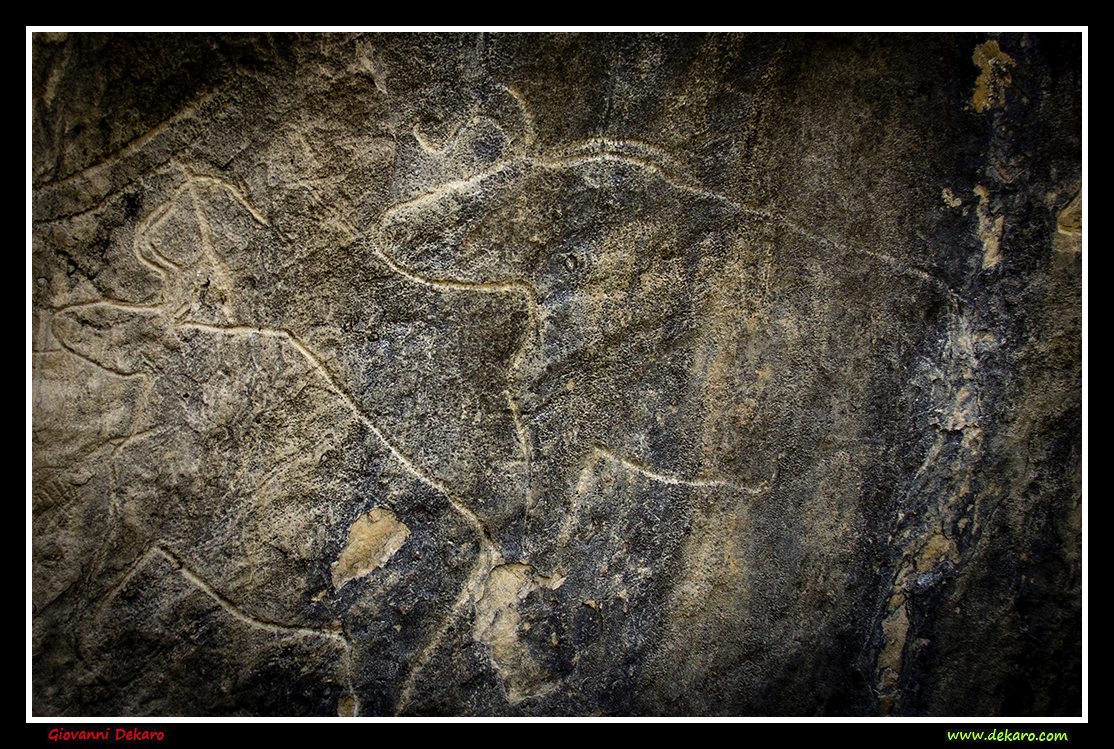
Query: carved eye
{"points": [[572, 262]]}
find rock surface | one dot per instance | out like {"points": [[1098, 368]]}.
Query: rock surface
{"points": [[500, 374]]}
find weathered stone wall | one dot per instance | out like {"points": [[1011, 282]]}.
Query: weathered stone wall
{"points": [[605, 374]]}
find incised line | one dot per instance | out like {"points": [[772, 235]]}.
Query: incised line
{"points": [[666, 478], [516, 286], [609, 152], [141, 408], [237, 612], [207, 244], [528, 118], [450, 141], [135, 144], [488, 552], [108, 303], [487, 560], [124, 152]]}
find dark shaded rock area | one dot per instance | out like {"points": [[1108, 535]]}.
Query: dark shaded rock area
{"points": [[556, 374]]}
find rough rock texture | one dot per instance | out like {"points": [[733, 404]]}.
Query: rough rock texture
{"points": [[494, 374]]}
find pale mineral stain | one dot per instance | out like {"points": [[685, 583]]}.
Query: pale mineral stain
{"points": [[499, 626], [372, 540], [895, 628], [990, 229], [1069, 227], [937, 549], [990, 88]]}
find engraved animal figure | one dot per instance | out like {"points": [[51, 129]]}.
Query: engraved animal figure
{"points": [[505, 340], [626, 274]]}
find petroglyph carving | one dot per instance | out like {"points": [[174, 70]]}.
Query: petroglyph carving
{"points": [[417, 332], [593, 254]]}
